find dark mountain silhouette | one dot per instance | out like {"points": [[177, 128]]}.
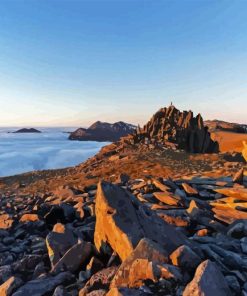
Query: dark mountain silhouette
{"points": [[103, 131], [27, 130]]}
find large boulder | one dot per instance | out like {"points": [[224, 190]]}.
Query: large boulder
{"points": [[74, 258], [208, 281], [122, 221], [185, 258], [58, 241], [146, 252], [180, 128]]}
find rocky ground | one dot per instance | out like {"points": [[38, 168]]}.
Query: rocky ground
{"points": [[148, 236], [142, 217]]}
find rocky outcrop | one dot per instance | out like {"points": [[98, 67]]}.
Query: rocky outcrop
{"points": [[103, 131], [182, 130], [122, 221]]}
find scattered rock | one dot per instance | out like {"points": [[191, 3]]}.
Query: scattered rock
{"points": [[239, 176], [185, 258], [74, 258], [58, 241], [43, 285], [208, 281], [146, 252], [115, 217], [10, 286]]}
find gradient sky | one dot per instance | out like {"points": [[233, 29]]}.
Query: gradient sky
{"points": [[72, 62]]}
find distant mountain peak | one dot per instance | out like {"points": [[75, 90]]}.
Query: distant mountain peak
{"points": [[27, 130], [103, 131]]}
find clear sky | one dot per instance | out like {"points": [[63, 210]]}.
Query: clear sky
{"points": [[71, 62]]}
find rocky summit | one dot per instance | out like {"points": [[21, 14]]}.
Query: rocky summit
{"points": [[182, 129], [141, 217]]}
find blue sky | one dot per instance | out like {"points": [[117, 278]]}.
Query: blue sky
{"points": [[71, 62]]}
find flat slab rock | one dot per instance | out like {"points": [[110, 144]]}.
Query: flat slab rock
{"points": [[122, 221], [147, 250], [43, 285], [208, 281]]}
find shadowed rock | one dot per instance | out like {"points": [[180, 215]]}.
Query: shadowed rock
{"points": [[208, 281], [43, 285], [7, 288], [74, 258], [58, 241]]}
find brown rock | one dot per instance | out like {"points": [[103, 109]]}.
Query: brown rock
{"points": [[188, 189], [160, 185], [229, 215], [208, 281], [146, 249], [29, 218], [100, 280], [79, 210], [244, 151], [202, 232], [126, 292], [121, 221], [64, 193], [100, 292], [176, 220], [12, 284], [239, 193], [239, 177], [170, 126], [5, 221], [168, 198]]}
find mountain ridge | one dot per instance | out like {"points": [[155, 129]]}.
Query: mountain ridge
{"points": [[103, 132]]}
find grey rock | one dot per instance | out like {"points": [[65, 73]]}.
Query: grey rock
{"points": [[7, 288], [208, 281], [185, 258], [43, 285], [233, 284]]}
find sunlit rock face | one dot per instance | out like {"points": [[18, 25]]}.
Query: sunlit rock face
{"points": [[169, 125], [244, 151]]}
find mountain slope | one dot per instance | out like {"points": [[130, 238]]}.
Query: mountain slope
{"points": [[220, 125]]}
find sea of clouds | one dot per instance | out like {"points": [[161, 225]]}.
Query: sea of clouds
{"points": [[51, 149]]}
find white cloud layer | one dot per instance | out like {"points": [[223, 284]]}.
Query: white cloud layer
{"points": [[21, 153]]}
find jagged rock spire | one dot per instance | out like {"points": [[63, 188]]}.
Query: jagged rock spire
{"points": [[182, 128]]}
